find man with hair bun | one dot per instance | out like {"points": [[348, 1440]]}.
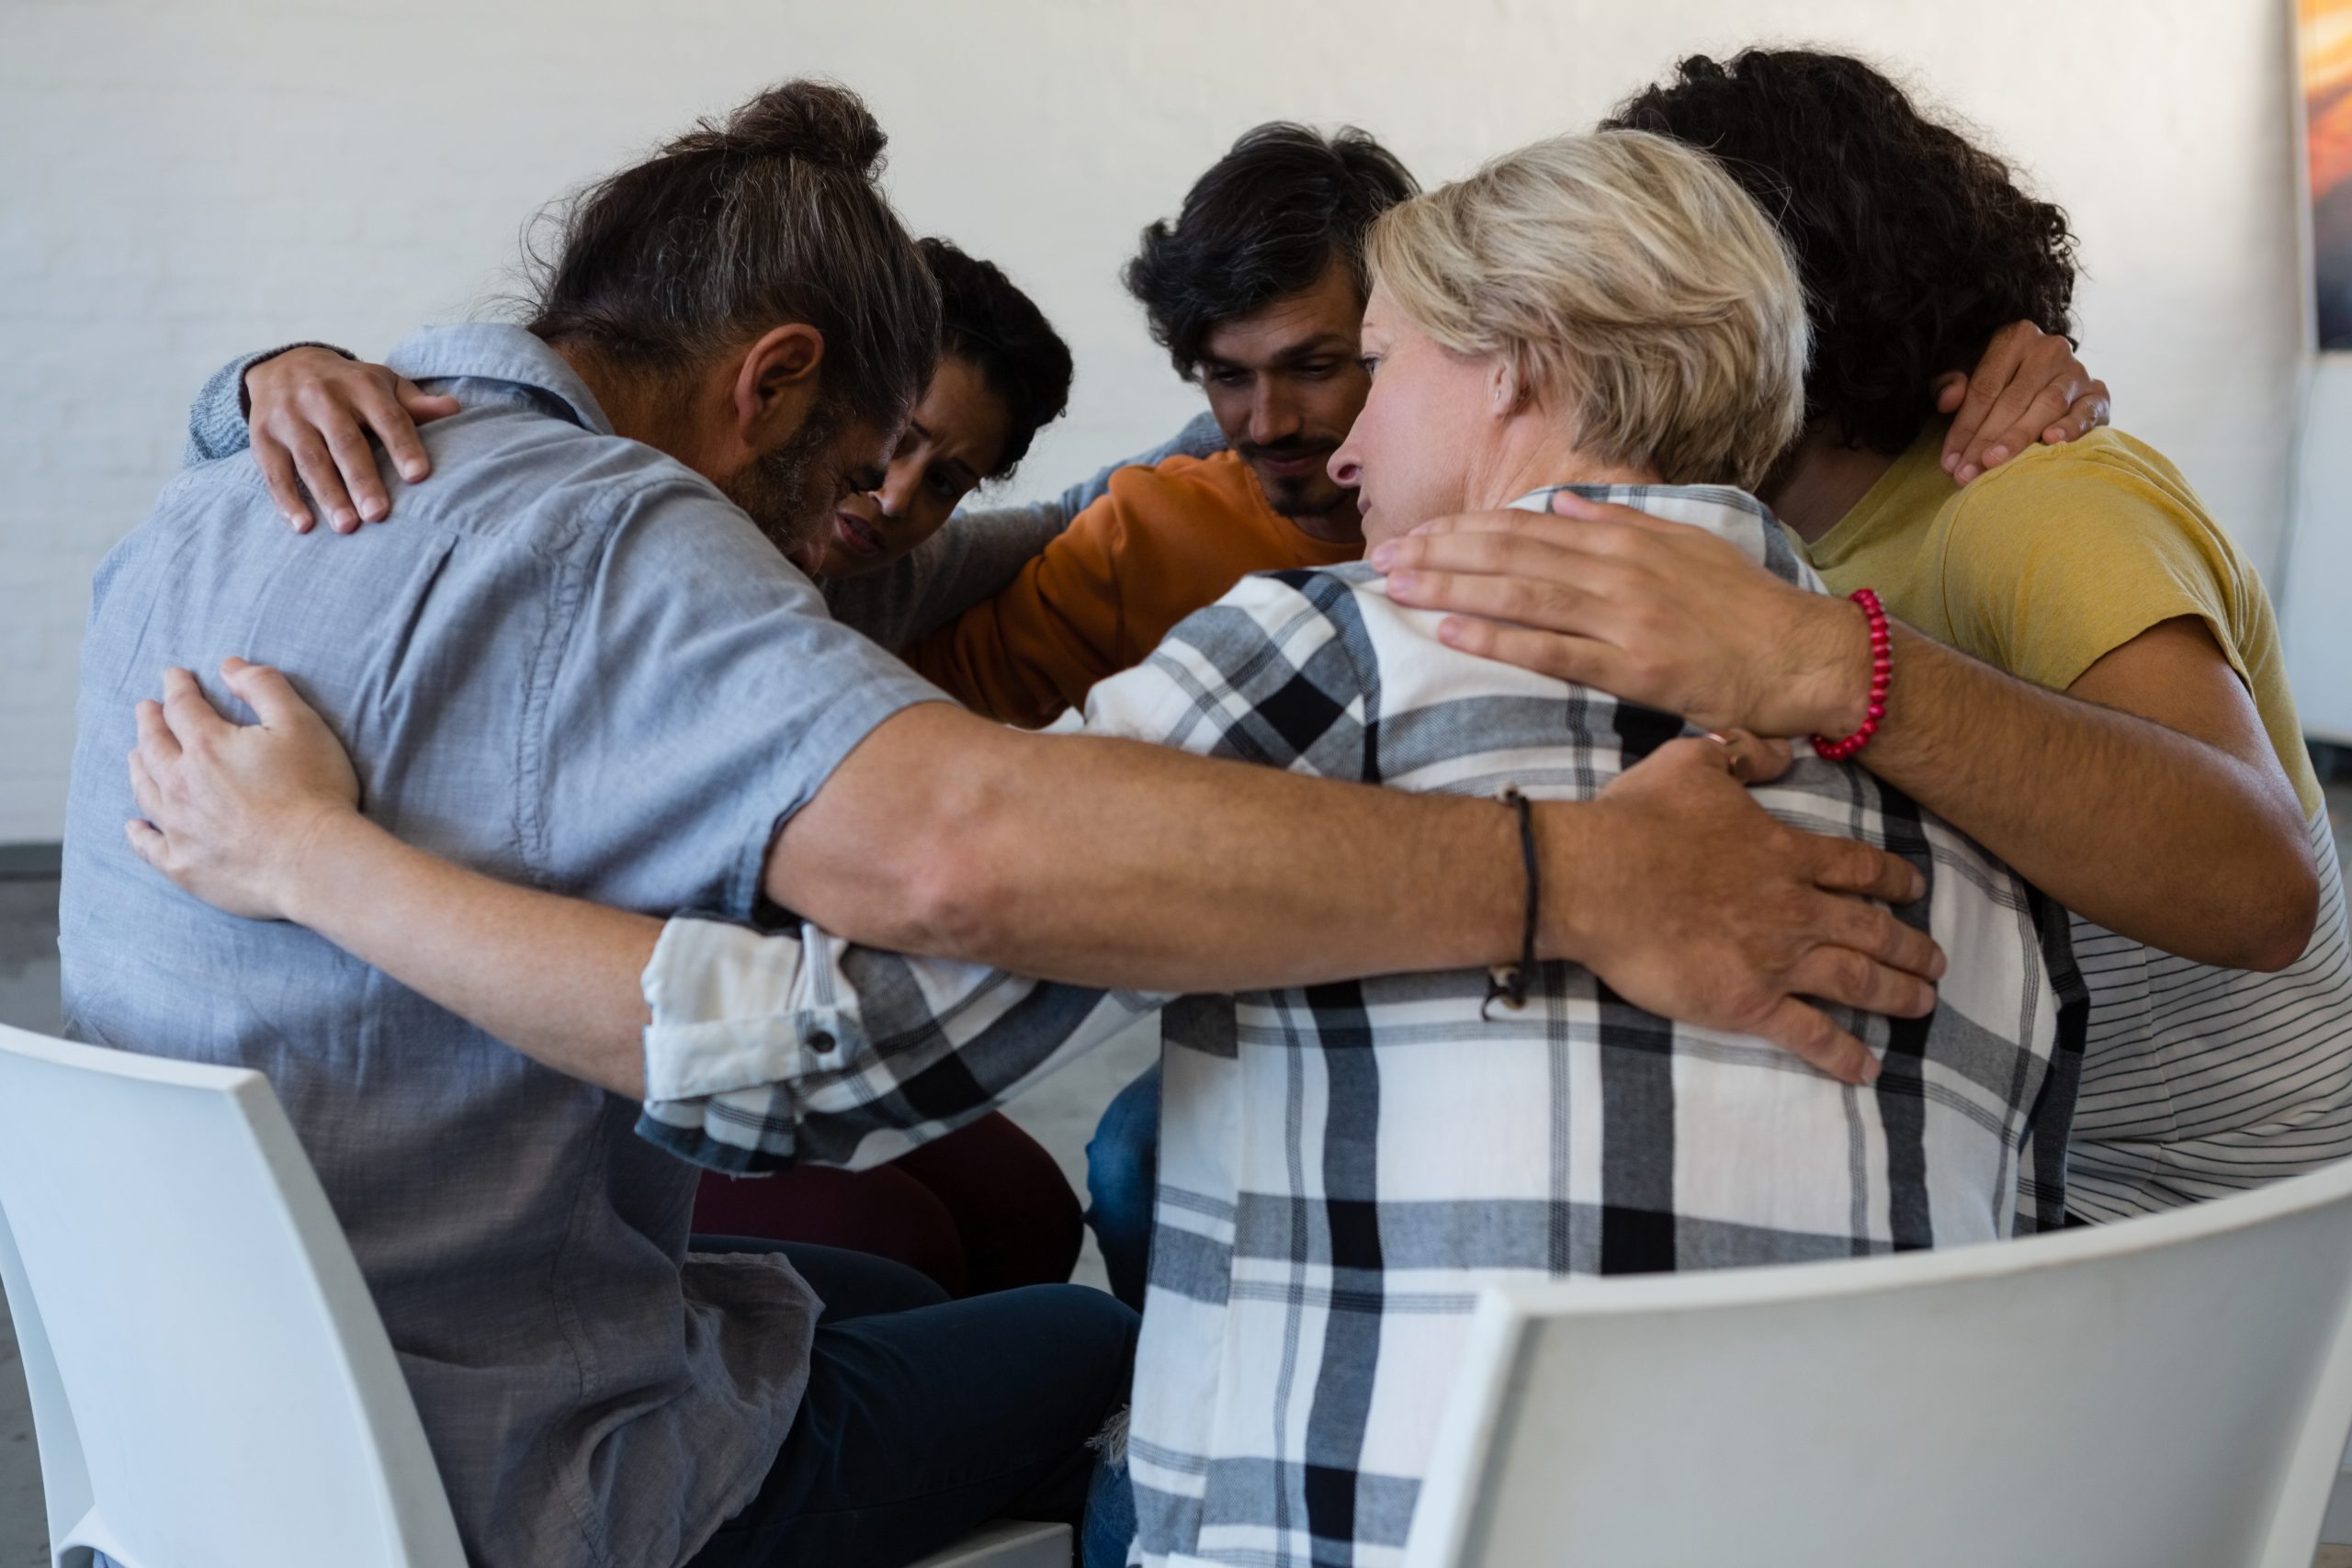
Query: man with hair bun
{"points": [[575, 664]]}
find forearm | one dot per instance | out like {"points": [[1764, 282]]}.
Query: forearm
{"points": [[1109, 863], [975, 556], [554, 977], [2150, 833], [767, 1048]]}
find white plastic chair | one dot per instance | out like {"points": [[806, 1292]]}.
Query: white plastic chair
{"points": [[211, 1385], [1009, 1543], [2166, 1393]]}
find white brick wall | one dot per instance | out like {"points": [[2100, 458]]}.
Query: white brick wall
{"points": [[179, 181]]}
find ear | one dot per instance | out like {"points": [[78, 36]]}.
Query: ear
{"points": [[1504, 392], [776, 384]]}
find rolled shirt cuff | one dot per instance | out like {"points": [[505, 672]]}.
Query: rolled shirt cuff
{"points": [[739, 1018]]}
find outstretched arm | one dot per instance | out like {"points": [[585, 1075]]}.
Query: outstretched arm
{"points": [[2146, 797], [1094, 861]]}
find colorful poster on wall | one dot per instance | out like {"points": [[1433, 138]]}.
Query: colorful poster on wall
{"points": [[2326, 36]]}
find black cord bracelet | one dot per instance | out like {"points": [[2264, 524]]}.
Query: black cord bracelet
{"points": [[1507, 983]]}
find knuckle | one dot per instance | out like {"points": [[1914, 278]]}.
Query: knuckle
{"points": [[1790, 911], [1807, 1034], [1851, 974]]}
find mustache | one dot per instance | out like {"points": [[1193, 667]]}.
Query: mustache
{"points": [[1295, 446]]}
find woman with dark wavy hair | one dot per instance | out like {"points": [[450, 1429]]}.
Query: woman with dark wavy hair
{"points": [[2171, 807]]}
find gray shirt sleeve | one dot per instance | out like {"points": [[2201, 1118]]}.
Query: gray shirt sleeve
{"points": [[691, 642], [979, 553], [216, 423]]}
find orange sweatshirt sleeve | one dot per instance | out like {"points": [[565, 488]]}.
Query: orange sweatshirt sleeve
{"points": [[1042, 643]]}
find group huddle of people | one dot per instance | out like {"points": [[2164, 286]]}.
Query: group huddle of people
{"points": [[1651, 724]]}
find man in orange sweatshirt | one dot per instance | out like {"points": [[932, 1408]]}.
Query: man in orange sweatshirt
{"points": [[1257, 292]]}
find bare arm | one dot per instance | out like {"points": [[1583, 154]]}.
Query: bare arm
{"points": [[2146, 799], [555, 978], [1119, 863], [1096, 860]]}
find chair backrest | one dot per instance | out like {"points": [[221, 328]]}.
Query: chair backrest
{"points": [[210, 1384], [2160, 1392]]}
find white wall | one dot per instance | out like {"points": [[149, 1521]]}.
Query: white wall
{"points": [[2315, 598], [179, 181]]}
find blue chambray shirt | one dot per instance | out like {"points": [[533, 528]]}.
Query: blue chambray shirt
{"points": [[566, 662]]}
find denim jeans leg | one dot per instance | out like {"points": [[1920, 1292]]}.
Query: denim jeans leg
{"points": [[1122, 1171]]}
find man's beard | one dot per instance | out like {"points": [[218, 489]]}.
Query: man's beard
{"points": [[1311, 494], [789, 492]]}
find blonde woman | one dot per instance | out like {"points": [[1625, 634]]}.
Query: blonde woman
{"points": [[1344, 1166]]}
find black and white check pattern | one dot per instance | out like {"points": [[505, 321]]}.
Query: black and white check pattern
{"points": [[1342, 1167]]}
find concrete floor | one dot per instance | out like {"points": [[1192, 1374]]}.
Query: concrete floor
{"points": [[29, 1001], [1060, 1115]]}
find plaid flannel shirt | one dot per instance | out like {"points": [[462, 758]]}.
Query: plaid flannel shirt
{"points": [[1344, 1167]]}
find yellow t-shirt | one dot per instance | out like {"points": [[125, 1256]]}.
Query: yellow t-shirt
{"points": [[2058, 557], [2196, 1081]]}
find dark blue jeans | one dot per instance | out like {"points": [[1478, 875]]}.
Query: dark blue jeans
{"points": [[925, 1418], [1122, 1169]]}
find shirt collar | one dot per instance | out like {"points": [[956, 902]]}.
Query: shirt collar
{"points": [[495, 351], [1913, 487], [1725, 511]]}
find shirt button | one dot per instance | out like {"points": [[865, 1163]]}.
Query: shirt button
{"points": [[821, 1042]]}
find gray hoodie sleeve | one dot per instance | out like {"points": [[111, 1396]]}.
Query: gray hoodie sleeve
{"points": [[979, 553], [215, 424]]}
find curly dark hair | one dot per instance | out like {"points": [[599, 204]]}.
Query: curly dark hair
{"points": [[985, 319], [1264, 222], [1914, 245]]}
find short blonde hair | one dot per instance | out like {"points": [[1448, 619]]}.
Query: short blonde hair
{"points": [[1625, 277]]}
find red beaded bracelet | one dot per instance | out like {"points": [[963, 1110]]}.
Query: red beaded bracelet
{"points": [[1881, 677]]}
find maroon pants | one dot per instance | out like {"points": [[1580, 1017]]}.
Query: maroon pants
{"points": [[982, 1209]]}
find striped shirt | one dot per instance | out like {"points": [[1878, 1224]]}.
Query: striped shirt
{"points": [[1344, 1166], [2199, 1082]]}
